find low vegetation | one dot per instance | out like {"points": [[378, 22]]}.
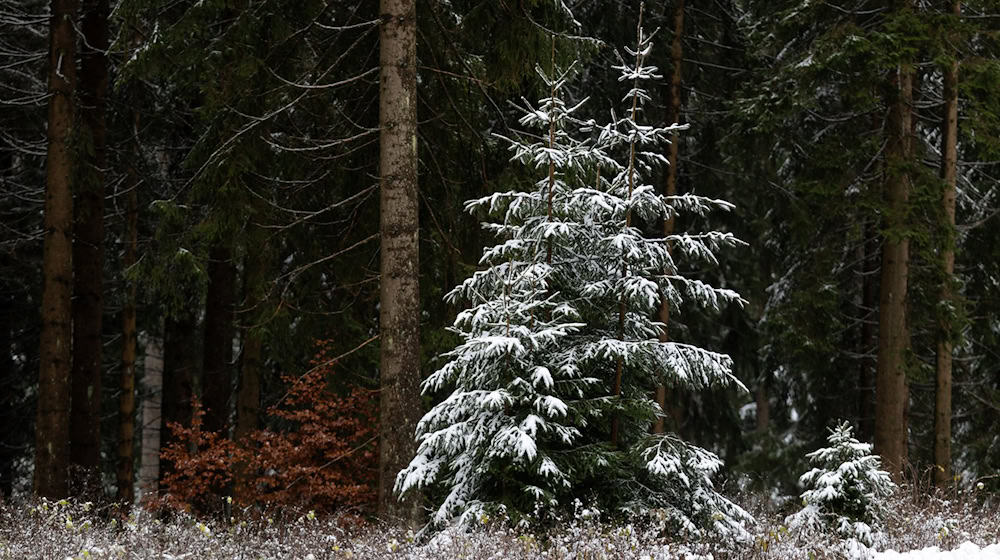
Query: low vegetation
{"points": [[73, 530]]}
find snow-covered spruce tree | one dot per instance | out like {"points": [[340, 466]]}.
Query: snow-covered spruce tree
{"points": [[550, 387], [845, 490]]}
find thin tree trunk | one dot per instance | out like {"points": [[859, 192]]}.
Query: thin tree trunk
{"points": [[55, 350], [552, 146], [894, 339], [152, 391], [619, 366], [255, 269], [869, 333], [949, 170], [670, 189], [126, 401], [216, 385], [88, 252], [7, 413], [399, 316]]}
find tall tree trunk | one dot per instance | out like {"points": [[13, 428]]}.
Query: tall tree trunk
{"points": [[670, 189], [869, 333], [179, 367], [894, 338], [152, 401], [949, 172], [55, 344], [247, 408], [126, 401], [7, 415], [399, 316], [217, 379], [88, 251], [255, 268]]}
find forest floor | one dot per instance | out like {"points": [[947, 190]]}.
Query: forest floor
{"points": [[923, 527]]}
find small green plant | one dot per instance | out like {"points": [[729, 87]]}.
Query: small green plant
{"points": [[844, 490]]}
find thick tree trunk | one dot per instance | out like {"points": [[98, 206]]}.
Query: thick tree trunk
{"points": [[247, 408], [891, 393], [152, 400], [217, 378], [55, 344], [949, 171], [126, 401], [179, 368], [399, 316], [255, 268], [670, 187], [88, 251]]}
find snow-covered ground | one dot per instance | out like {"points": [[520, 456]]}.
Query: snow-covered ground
{"points": [[963, 527], [966, 551]]}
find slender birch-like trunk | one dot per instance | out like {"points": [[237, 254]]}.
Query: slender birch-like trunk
{"points": [[152, 395]]}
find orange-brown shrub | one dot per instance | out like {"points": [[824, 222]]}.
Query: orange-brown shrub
{"points": [[325, 460], [330, 461], [202, 463]]}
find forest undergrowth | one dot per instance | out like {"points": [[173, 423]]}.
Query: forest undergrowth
{"points": [[71, 530]]}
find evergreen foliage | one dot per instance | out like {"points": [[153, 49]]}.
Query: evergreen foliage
{"points": [[846, 489], [557, 341]]}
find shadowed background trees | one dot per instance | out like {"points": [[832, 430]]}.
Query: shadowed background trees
{"points": [[205, 178]]}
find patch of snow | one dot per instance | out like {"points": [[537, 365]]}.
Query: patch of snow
{"points": [[966, 551]]}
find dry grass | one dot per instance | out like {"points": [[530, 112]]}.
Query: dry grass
{"points": [[71, 530]]}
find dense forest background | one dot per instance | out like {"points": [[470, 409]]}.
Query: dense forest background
{"points": [[195, 187]]}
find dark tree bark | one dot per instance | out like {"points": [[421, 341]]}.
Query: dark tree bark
{"points": [[125, 474], [55, 344], [891, 394], [869, 333], [255, 269], [247, 407], [217, 378], [7, 454], [180, 359], [88, 249], [399, 317], [949, 171], [670, 189]]}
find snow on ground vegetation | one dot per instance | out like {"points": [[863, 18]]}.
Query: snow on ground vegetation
{"points": [[962, 525]]}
